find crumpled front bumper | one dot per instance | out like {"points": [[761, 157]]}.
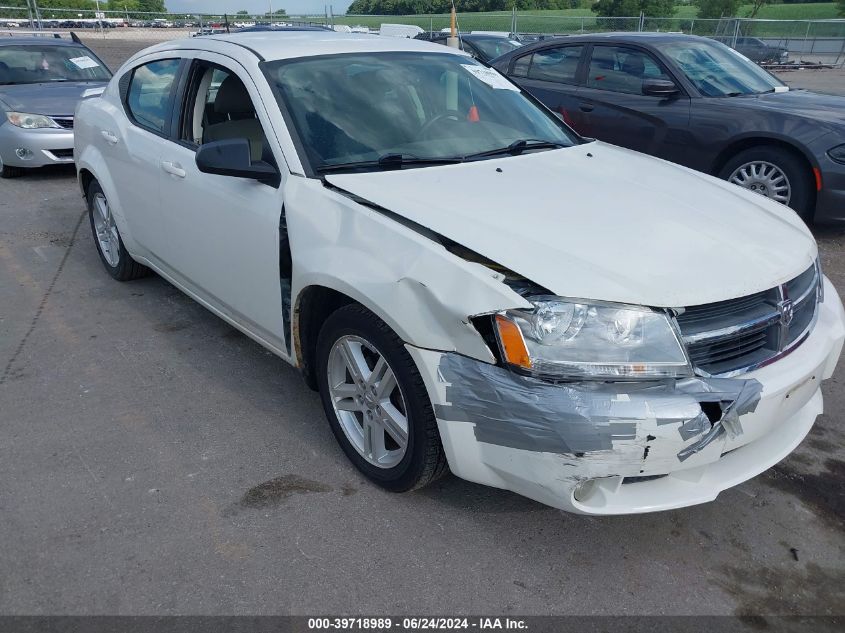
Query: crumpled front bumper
{"points": [[620, 448], [42, 144]]}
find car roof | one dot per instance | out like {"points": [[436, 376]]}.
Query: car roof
{"points": [[622, 37], [32, 41], [271, 45], [268, 27]]}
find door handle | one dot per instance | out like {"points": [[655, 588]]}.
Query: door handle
{"points": [[174, 169], [586, 107], [110, 137]]}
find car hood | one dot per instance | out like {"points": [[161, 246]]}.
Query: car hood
{"points": [[811, 105], [56, 98], [599, 222]]}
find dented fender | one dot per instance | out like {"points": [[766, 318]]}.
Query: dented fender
{"points": [[403, 275]]}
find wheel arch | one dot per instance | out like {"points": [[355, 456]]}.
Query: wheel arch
{"points": [[86, 177], [90, 167], [747, 142], [312, 307]]}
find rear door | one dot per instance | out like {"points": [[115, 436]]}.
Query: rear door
{"points": [[552, 76], [613, 108], [132, 142]]}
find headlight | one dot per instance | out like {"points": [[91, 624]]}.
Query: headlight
{"points": [[562, 338], [837, 153], [30, 121]]}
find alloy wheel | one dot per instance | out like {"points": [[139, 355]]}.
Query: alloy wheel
{"points": [[368, 401], [106, 230], [764, 178]]}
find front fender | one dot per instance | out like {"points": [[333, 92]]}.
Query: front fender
{"points": [[404, 276]]}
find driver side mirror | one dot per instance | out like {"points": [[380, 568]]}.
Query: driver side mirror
{"points": [[660, 88], [231, 157]]}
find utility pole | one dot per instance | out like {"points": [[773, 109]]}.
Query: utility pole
{"points": [[453, 39], [37, 15]]}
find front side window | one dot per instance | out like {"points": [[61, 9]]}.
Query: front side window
{"points": [[362, 107], [621, 69], [719, 71], [556, 64], [150, 93], [43, 63], [219, 108]]}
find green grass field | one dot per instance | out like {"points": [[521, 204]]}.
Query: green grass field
{"points": [[576, 20]]}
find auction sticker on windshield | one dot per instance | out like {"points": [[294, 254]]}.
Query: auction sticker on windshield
{"points": [[491, 77], [83, 62]]}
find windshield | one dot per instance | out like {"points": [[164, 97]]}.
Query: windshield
{"points": [[365, 107], [33, 64], [493, 47], [717, 70]]}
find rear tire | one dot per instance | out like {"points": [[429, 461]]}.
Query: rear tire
{"points": [[385, 462], [116, 260], [750, 169]]}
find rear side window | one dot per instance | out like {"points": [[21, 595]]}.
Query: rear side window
{"points": [[150, 94], [559, 65]]}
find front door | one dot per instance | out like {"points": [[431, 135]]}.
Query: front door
{"points": [[223, 231]]}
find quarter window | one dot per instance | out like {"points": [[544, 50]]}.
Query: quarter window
{"points": [[150, 94], [621, 69]]}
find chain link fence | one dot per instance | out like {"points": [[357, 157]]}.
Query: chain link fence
{"points": [[772, 42]]}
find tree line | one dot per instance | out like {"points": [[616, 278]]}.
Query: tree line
{"points": [[130, 6]]}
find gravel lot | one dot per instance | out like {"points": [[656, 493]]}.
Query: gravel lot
{"points": [[155, 461]]}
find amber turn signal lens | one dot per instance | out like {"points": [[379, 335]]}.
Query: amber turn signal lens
{"points": [[513, 345]]}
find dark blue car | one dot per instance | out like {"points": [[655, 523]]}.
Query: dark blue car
{"points": [[696, 102]]}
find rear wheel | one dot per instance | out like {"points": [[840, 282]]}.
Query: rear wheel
{"points": [[376, 401], [775, 173], [9, 172], [116, 260]]}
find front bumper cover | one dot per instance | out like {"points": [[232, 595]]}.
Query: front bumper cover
{"points": [[41, 143], [618, 448]]}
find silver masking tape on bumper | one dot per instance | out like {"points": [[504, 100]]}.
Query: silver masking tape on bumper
{"points": [[522, 412]]}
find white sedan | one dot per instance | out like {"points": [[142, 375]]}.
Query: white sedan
{"points": [[469, 285]]}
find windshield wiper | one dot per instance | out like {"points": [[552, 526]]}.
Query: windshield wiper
{"points": [[517, 147], [389, 161]]}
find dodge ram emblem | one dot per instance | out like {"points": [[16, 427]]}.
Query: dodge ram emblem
{"points": [[786, 312]]}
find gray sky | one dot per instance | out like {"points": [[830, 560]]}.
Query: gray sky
{"points": [[293, 7]]}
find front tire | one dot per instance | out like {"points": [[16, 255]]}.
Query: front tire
{"points": [[376, 401], [775, 173], [9, 172], [116, 260]]}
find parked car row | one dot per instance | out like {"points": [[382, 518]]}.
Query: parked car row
{"points": [[469, 283]]}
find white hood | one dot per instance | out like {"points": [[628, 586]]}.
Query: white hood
{"points": [[599, 222]]}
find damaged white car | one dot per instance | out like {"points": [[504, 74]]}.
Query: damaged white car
{"points": [[470, 285]]}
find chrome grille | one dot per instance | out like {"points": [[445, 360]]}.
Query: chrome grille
{"points": [[740, 334], [64, 121]]}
